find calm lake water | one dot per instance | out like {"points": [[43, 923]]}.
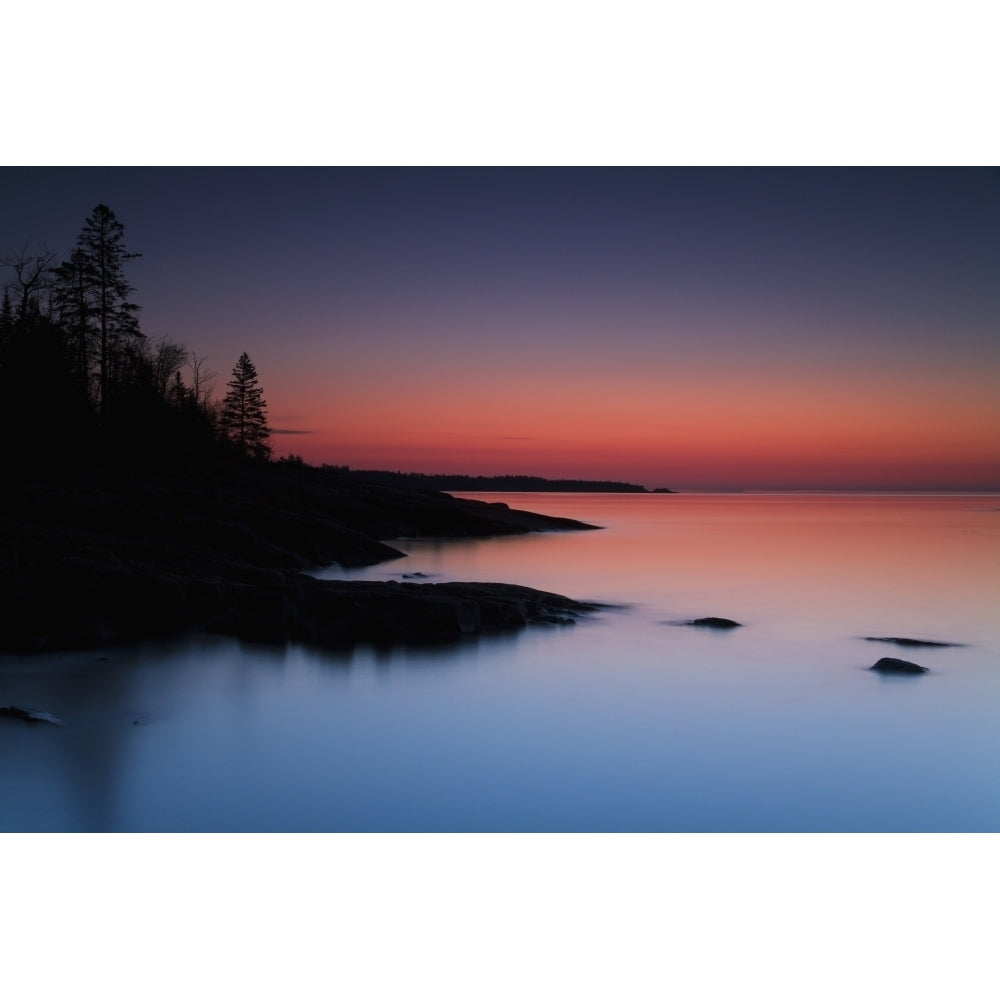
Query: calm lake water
{"points": [[623, 722]]}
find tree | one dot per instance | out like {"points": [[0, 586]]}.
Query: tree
{"points": [[92, 297], [244, 417], [71, 299], [166, 359], [6, 315], [40, 399], [178, 394], [202, 380], [31, 272]]}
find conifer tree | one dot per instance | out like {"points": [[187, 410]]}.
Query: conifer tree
{"points": [[92, 298], [178, 393], [6, 314], [244, 412], [71, 299], [6, 334]]}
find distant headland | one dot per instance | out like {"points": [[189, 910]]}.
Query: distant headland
{"points": [[451, 483]]}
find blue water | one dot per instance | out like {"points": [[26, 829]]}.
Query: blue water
{"points": [[627, 721]]}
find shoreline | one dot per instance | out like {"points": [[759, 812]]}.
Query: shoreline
{"points": [[95, 557]]}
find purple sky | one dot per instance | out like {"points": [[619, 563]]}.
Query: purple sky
{"points": [[685, 327]]}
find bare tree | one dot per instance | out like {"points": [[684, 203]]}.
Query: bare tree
{"points": [[32, 274], [166, 359], [202, 380]]}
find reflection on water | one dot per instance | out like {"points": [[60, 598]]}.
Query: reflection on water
{"points": [[622, 722]]}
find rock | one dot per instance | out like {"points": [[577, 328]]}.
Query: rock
{"points": [[90, 555], [13, 712], [337, 614], [909, 642], [892, 665], [714, 623]]}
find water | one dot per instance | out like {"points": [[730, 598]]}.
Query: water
{"points": [[626, 721]]}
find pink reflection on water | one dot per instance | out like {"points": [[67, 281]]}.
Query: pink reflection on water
{"points": [[929, 565]]}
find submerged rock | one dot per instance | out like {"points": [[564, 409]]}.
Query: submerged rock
{"points": [[714, 623], [14, 712], [892, 665], [902, 641]]}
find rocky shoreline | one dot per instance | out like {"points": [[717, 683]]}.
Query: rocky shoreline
{"points": [[90, 557]]}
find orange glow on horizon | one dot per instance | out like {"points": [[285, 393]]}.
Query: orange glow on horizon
{"points": [[725, 429]]}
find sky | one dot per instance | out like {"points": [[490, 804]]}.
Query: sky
{"points": [[729, 328]]}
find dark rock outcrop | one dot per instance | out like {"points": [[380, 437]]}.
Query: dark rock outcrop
{"points": [[892, 665], [338, 614], [90, 556], [909, 642], [26, 715], [711, 622]]}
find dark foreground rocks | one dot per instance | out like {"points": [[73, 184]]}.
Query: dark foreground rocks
{"points": [[27, 715], [90, 557], [892, 665], [338, 614]]}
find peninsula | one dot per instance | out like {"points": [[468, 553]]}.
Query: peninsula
{"points": [[133, 503], [92, 555]]}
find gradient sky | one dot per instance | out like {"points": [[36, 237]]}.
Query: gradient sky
{"points": [[691, 328]]}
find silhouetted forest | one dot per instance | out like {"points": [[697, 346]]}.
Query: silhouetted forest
{"points": [[135, 505], [487, 484], [79, 380]]}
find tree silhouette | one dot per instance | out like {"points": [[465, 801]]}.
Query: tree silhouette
{"points": [[31, 275], [79, 380], [71, 300], [6, 315], [92, 299], [166, 359], [244, 418], [202, 380]]}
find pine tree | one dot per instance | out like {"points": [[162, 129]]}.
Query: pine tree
{"points": [[6, 333], [178, 393], [71, 298], [92, 298], [244, 417], [6, 314]]}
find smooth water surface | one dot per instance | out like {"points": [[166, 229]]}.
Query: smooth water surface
{"points": [[626, 721]]}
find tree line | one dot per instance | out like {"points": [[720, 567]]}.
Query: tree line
{"points": [[451, 483], [79, 378]]}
